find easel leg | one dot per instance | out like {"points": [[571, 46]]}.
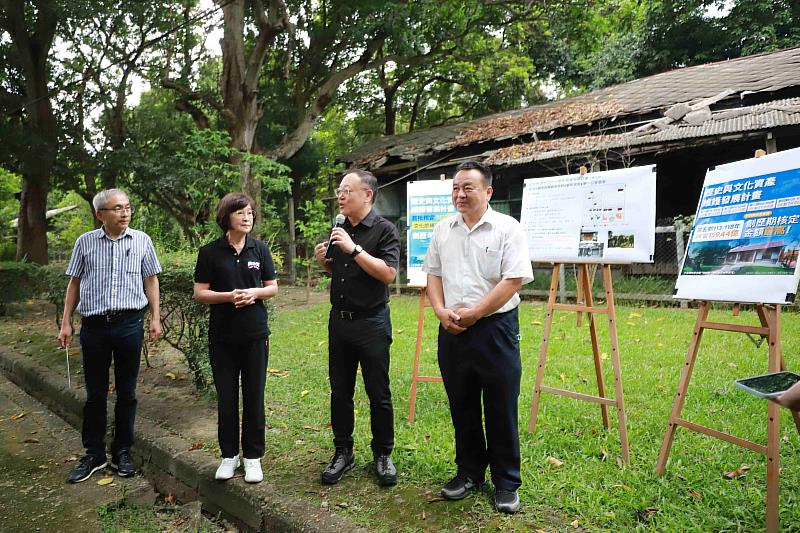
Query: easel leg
{"points": [[548, 322], [615, 361], [579, 288], [598, 369], [683, 385], [774, 426], [762, 316], [412, 403]]}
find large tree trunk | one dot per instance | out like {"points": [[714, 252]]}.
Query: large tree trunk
{"points": [[32, 229], [239, 88]]}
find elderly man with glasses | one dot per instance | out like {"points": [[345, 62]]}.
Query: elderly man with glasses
{"points": [[363, 258], [112, 279]]}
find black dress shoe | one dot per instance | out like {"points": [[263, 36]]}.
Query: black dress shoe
{"points": [[123, 464], [343, 460], [88, 465], [387, 473], [506, 501], [459, 487]]}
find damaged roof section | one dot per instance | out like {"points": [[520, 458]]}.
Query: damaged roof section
{"points": [[683, 99], [730, 121]]}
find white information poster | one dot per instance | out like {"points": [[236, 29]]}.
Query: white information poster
{"points": [[746, 235], [599, 217], [428, 202]]}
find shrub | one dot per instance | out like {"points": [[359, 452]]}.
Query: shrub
{"points": [[185, 321], [17, 283]]}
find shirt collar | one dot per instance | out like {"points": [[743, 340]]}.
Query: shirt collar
{"points": [[368, 220], [101, 234], [487, 218], [222, 242]]}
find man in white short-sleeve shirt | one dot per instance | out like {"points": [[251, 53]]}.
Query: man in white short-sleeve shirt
{"points": [[476, 262]]}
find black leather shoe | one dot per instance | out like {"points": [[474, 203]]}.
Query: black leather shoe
{"points": [[387, 473], [88, 465], [123, 464], [342, 461], [506, 501], [459, 487]]}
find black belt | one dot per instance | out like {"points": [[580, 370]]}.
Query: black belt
{"points": [[356, 315], [110, 317]]}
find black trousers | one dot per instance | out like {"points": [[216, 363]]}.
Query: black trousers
{"points": [[483, 363], [231, 361], [365, 341], [102, 341]]}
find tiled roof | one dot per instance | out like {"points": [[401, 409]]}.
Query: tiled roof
{"points": [[757, 117], [737, 77]]}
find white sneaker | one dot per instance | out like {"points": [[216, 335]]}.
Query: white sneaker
{"points": [[227, 467], [252, 470]]}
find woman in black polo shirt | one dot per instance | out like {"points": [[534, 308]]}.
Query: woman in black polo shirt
{"points": [[233, 274]]}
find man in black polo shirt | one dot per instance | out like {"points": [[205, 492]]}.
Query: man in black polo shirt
{"points": [[363, 261]]}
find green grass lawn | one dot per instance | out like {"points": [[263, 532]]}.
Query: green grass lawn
{"points": [[592, 489]]}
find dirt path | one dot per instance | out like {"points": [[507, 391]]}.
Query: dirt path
{"points": [[37, 452]]}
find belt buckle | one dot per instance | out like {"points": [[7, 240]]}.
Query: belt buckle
{"points": [[346, 315]]}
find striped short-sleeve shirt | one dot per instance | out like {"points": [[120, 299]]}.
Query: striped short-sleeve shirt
{"points": [[111, 271]]}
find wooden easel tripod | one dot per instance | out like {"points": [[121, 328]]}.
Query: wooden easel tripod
{"points": [[586, 305], [769, 316]]}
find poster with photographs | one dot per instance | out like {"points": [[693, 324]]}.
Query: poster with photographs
{"points": [[599, 217], [746, 234], [428, 202]]}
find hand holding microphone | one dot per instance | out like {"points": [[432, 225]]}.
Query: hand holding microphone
{"points": [[338, 223]]}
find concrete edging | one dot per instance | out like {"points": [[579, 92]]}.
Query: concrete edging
{"points": [[166, 461]]}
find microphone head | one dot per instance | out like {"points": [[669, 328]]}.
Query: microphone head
{"points": [[339, 220]]}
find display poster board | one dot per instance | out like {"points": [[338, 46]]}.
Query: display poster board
{"points": [[428, 202], [598, 217], [746, 234]]}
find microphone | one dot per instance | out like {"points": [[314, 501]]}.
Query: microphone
{"points": [[338, 223]]}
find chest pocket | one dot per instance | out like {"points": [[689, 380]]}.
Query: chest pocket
{"points": [[489, 257], [133, 263]]}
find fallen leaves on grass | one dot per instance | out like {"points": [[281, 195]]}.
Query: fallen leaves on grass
{"points": [[105, 481], [170, 499], [733, 474], [694, 494], [434, 499], [312, 428], [196, 446], [171, 375], [621, 486], [31, 440], [18, 416], [552, 461], [303, 393]]}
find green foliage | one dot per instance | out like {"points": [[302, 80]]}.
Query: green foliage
{"points": [[18, 282], [10, 184], [184, 320]]}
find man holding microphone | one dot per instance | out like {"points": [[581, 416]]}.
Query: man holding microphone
{"points": [[362, 260]]}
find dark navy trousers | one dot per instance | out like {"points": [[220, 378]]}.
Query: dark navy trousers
{"points": [[102, 341], [230, 363], [362, 341], [482, 365]]}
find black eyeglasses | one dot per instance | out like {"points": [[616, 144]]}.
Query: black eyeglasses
{"points": [[118, 209]]}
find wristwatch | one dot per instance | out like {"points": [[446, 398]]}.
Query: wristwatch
{"points": [[357, 250]]}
